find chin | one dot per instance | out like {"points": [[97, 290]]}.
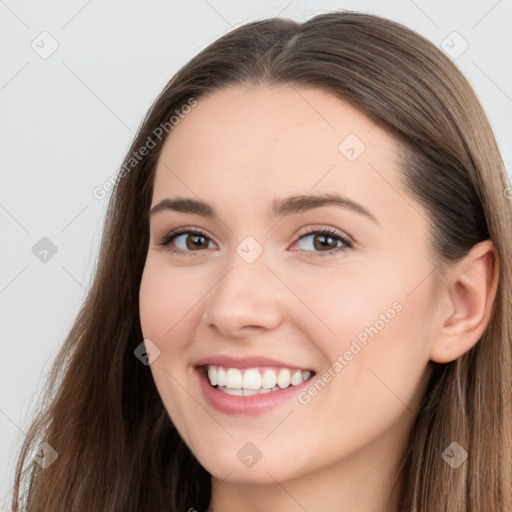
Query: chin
{"points": [[242, 463]]}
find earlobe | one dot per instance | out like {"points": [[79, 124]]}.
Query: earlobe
{"points": [[470, 292]]}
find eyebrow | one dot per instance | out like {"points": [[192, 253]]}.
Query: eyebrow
{"points": [[280, 207]]}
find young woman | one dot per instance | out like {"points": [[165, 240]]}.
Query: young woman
{"points": [[303, 294]]}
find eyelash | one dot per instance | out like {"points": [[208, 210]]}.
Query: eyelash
{"points": [[166, 240]]}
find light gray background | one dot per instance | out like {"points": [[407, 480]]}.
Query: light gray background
{"points": [[69, 119]]}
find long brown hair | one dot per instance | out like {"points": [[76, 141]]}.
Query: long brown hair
{"points": [[117, 447]]}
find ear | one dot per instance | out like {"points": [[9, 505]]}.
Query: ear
{"points": [[466, 303]]}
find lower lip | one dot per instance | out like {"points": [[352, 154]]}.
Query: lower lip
{"points": [[246, 405]]}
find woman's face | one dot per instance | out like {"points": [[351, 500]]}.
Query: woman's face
{"points": [[264, 294]]}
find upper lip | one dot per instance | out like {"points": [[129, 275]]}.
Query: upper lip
{"points": [[245, 362]]}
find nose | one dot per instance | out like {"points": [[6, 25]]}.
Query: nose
{"points": [[245, 300]]}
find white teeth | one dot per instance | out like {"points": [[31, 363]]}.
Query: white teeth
{"points": [[212, 375], [269, 379], [246, 392], [284, 378], [221, 375], [296, 378], [251, 379], [233, 378], [254, 381]]}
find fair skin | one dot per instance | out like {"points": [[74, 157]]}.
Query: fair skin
{"points": [[238, 150]]}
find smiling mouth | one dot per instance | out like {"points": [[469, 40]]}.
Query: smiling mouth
{"points": [[254, 381]]}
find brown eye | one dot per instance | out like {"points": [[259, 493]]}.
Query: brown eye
{"points": [[185, 241], [325, 241], [322, 241], [195, 241]]}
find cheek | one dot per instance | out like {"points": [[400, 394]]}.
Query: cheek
{"points": [[384, 359], [169, 309], [165, 299], [163, 306], [375, 338], [335, 305], [153, 306]]}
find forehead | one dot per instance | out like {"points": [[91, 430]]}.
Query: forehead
{"points": [[244, 145]]}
